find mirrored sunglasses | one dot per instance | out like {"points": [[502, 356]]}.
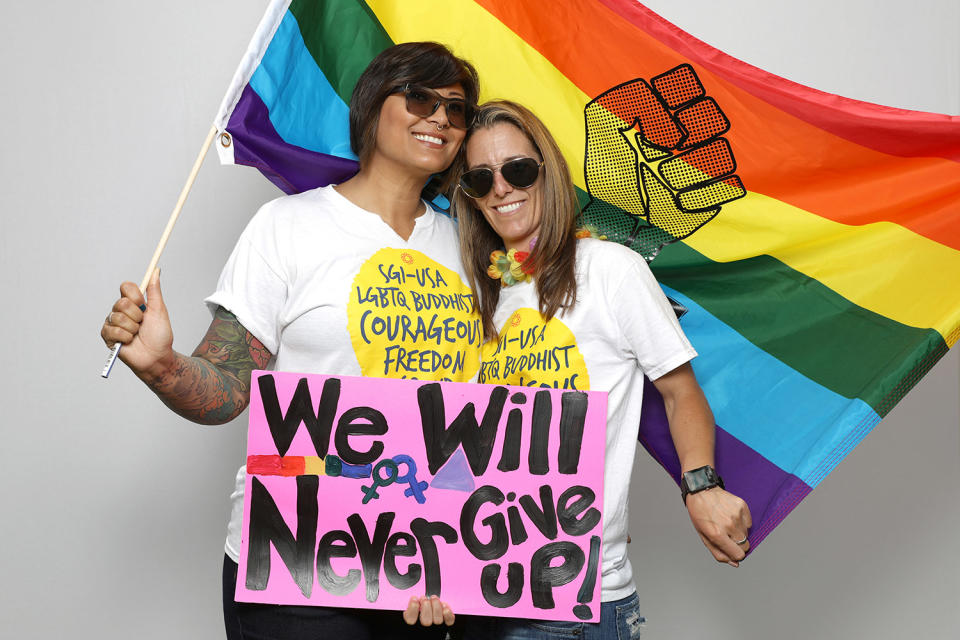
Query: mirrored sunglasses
{"points": [[423, 103], [520, 172]]}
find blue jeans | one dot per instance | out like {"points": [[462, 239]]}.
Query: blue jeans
{"points": [[250, 621], [619, 620]]}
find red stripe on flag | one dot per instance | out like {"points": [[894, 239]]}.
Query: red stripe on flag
{"points": [[889, 130]]}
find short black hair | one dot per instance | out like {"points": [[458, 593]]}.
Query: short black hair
{"points": [[428, 64]]}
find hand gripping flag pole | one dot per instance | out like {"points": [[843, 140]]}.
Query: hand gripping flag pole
{"points": [[166, 235]]}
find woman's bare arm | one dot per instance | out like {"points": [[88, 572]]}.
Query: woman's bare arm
{"points": [[210, 387], [213, 385]]}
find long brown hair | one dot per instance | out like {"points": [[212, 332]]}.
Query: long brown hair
{"points": [[554, 255]]}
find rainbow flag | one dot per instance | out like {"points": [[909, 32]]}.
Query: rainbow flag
{"points": [[811, 238]]}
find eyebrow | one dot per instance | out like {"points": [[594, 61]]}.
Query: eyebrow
{"points": [[497, 164], [453, 94]]}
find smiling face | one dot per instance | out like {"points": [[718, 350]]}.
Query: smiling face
{"points": [[423, 146], [513, 213]]}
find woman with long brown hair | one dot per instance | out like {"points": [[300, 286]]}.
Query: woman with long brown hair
{"points": [[596, 308]]}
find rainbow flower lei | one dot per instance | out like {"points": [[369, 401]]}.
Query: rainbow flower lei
{"points": [[511, 267]]}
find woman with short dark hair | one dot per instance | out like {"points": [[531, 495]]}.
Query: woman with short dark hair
{"points": [[285, 296], [598, 304], [415, 64]]}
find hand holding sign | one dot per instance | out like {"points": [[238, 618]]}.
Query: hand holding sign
{"points": [[428, 611]]}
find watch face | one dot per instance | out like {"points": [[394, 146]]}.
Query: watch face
{"points": [[700, 479]]}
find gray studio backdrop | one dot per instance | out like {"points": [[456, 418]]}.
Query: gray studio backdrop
{"points": [[114, 509]]}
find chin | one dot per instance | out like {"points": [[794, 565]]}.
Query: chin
{"points": [[433, 165]]}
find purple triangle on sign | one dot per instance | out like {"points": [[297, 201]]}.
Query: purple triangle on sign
{"points": [[455, 474]]}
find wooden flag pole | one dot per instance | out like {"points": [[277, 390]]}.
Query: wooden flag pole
{"points": [[166, 235]]}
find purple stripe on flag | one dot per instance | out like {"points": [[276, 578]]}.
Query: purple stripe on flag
{"points": [[293, 169], [769, 491]]}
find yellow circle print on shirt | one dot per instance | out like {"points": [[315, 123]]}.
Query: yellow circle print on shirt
{"points": [[531, 353], [411, 317]]}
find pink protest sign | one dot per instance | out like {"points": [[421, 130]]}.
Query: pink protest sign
{"points": [[362, 492]]}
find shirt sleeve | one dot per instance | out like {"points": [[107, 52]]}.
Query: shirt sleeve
{"points": [[648, 325], [252, 285]]}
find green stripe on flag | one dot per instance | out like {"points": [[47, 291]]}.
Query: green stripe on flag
{"points": [[850, 350], [854, 352], [343, 36]]}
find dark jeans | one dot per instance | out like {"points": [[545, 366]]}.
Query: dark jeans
{"points": [[249, 621], [619, 620]]}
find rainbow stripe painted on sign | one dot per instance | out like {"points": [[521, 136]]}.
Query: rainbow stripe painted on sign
{"points": [[818, 260]]}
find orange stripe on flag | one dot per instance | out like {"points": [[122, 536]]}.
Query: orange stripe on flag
{"points": [[777, 154]]}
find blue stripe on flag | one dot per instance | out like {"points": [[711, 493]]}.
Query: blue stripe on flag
{"points": [[304, 108], [798, 425]]}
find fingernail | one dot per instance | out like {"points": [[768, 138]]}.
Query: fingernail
{"points": [[143, 307]]}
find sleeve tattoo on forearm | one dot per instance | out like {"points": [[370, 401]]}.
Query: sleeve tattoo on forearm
{"points": [[213, 385]]}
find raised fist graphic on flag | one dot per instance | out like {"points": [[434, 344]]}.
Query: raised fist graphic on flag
{"points": [[657, 167]]}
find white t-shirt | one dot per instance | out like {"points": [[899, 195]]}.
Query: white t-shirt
{"points": [[621, 328], [330, 288]]}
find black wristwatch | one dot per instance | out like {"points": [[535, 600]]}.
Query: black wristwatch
{"points": [[699, 480]]}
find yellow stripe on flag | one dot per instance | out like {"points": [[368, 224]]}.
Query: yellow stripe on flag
{"points": [[882, 267]]}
